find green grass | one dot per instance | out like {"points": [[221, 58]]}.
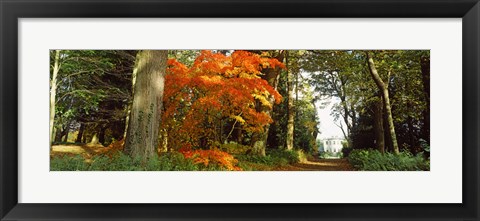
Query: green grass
{"points": [[122, 162], [173, 161]]}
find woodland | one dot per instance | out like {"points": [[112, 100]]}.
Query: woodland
{"points": [[238, 110]]}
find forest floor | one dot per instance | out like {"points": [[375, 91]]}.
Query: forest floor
{"points": [[319, 165], [312, 164], [85, 150]]}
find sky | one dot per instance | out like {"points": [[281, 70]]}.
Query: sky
{"points": [[327, 126]]}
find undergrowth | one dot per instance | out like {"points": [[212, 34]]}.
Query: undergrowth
{"points": [[373, 160], [120, 162]]}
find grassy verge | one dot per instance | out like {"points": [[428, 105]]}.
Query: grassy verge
{"points": [[373, 160], [174, 161], [121, 162]]}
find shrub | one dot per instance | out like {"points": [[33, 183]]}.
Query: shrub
{"points": [[173, 161], [273, 158], [211, 159], [425, 148], [290, 156], [267, 160], [373, 160], [234, 148], [302, 156], [346, 151]]}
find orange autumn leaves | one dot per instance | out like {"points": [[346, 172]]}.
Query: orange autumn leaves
{"points": [[216, 90], [214, 156]]}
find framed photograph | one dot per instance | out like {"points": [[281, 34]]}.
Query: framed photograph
{"points": [[302, 110]]}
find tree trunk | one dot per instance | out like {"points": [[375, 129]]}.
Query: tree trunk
{"points": [[101, 135], [58, 135], [53, 91], [411, 135], [260, 142], [239, 135], [80, 133], [348, 111], [386, 101], [129, 106], [378, 126], [65, 134], [290, 108], [259, 139], [425, 67], [94, 140], [145, 115], [345, 117], [295, 104]]}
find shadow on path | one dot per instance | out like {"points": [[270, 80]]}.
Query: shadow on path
{"points": [[320, 165]]}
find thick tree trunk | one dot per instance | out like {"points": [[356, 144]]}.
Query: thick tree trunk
{"points": [[94, 140], [411, 135], [145, 116], [386, 135], [65, 134], [80, 133], [411, 131], [101, 135], [386, 101], [129, 106], [260, 142], [425, 67], [391, 126], [53, 91], [290, 109], [239, 135], [58, 135], [259, 139], [295, 104], [378, 126]]}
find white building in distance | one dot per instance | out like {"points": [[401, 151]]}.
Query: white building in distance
{"points": [[332, 145]]}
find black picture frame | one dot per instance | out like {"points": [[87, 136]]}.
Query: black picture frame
{"points": [[12, 10]]}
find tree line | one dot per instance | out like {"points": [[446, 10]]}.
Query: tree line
{"points": [[158, 101]]}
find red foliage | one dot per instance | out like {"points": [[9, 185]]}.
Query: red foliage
{"points": [[213, 156], [216, 89], [114, 147]]}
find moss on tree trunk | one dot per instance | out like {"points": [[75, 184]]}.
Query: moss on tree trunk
{"points": [[145, 115]]}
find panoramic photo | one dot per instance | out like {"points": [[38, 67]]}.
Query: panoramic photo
{"points": [[239, 110]]}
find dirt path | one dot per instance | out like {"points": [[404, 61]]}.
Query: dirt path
{"points": [[320, 165]]}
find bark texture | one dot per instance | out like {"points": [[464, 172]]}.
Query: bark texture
{"points": [[378, 126], [259, 139], [94, 140], [129, 106], [80, 133], [383, 87], [425, 67], [53, 91], [145, 115], [290, 109]]}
